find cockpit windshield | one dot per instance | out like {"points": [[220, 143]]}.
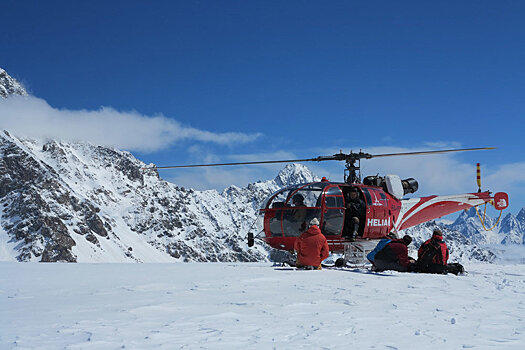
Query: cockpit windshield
{"points": [[303, 195], [293, 207]]}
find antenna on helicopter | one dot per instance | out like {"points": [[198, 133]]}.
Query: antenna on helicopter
{"points": [[478, 173]]}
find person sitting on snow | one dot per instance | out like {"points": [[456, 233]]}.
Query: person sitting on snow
{"points": [[432, 256], [393, 255], [382, 243], [311, 247]]}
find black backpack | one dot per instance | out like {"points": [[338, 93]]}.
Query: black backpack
{"points": [[455, 268], [432, 249]]}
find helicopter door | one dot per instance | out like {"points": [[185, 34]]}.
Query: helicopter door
{"points": [[377, 219], [333, 212]]}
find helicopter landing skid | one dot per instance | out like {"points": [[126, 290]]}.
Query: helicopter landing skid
{"points": [[355, 253]]}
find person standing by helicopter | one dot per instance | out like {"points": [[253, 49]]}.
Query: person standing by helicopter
{"points": [[355, 212], [311, 247]]}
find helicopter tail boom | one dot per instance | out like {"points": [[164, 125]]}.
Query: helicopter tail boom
{"points": [[415, 211]]}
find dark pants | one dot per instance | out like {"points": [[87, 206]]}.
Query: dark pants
{"points": [[352, 226], [433, 268], [382, 265]]}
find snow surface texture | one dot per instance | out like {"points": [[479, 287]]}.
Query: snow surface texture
{"points": [[255, 306]]}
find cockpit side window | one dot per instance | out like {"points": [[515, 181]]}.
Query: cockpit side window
{"points": [[307, 195], [334, 197], [367, 196], [277, 199]]}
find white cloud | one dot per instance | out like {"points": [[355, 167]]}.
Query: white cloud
{"points": [[34, 117]]}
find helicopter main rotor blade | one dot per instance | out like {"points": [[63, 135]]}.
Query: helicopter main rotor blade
{"points": [[318, 159], [351, 157], [430, 152]]}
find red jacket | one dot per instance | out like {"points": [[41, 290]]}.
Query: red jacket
{"points": [[312, 247], [396, 252], [437, 251]]}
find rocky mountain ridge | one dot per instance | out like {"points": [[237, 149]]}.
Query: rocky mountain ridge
{"points": [[509, 230], [10, 86], [80, 202]]}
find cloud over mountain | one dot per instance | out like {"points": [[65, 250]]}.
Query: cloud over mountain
{"points": [[34, 117]]}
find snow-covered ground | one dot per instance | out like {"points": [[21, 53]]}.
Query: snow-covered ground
{"points": [[256, 306]]}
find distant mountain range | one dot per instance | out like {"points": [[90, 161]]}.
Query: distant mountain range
{"points": [[79, 202]]}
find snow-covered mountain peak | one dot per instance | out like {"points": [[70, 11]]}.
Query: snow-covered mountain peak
{"points": [[521, 216], [295, 174], [509, 230], [10, 86], [80, 202], [471, 217]]}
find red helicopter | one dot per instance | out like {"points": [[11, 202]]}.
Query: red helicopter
{"points": [[286, 212]]}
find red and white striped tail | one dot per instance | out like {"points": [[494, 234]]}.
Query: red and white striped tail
{"points": [[415, 211]]}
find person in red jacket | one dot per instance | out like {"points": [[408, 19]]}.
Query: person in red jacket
{"points": [[394, 256], [311, 247], [432, 256]]}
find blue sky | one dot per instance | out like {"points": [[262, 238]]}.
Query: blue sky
{"points": [[216, 81]]}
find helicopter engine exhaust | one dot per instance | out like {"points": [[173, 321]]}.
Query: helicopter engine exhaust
{"points": [[409, 185]]}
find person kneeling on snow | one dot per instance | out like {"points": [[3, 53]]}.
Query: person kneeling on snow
{"points": [[311, 247], [392, 255]]}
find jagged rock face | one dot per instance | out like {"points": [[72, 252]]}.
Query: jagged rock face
{"points": [[513, 228], [37, 206], [79, 202], [10, 86]]}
